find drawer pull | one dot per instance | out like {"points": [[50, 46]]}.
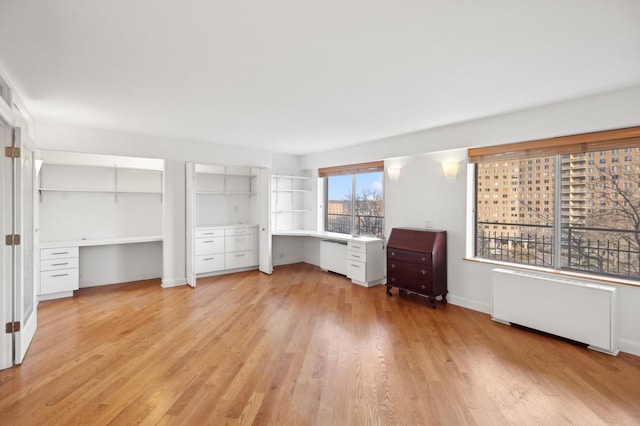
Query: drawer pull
{"points": [[59, 275], [424, 259], [357, 247], [355, 266], [59, 264], [393, 253], [209, 258], [393, 266], [207, 242], [240, 239], [208, 233], [393, 279], [240, 255], [423, 272], [60, 252], [356, 256]]}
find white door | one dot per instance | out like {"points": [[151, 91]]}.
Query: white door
{"points": [[18, 309], [191, 223], [6, 260], [25, 309], [265, 263]]}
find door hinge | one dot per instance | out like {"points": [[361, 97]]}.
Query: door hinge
{"points": [[12, 327], [12, 240], [12, 152]]}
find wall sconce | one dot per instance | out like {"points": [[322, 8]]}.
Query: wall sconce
{"points": [[394, 173], [450, 169]]}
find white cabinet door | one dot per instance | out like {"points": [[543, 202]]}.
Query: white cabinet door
{"points": [[191, 224]]}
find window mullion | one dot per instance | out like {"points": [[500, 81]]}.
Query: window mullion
{"points": [[557, 213], [353, 205]]}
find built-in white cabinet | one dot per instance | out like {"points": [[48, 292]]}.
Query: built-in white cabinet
{"points": [[59, 271], [99, 220], [292, 203], [365, 262], [361, 259], [225, 248], [223, 217]]}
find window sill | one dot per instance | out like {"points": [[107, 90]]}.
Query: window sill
{"points": [[607, 280]]}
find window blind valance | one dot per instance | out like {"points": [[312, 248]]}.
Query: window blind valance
{"points": [[586, 142], [352, 169]]}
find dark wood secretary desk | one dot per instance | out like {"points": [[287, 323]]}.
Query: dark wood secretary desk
{"points": [[417, 262]]}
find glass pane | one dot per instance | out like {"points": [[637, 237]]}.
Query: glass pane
{"points": [[601, 212], [369, 204], [514, 210], [339, 204]]}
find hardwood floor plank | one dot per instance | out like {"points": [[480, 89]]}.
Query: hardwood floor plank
{"points": [[301, 347]]}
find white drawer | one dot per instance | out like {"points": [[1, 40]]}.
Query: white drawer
{"points": [[357, 271], [239, 231], [358, 256], [57, 253], [239, 243], [240, 259], [357, 246], [59, 280], [209, 263], [54, 264], [210, 245], [205, 233]]}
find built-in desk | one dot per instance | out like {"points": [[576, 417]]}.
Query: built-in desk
{"points": [[359, 258], [60, 263]]}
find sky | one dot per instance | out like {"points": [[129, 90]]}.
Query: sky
{"points": [[340, 186]]}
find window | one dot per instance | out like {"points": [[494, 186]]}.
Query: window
{"points": [[598, 231], [355, 199]]}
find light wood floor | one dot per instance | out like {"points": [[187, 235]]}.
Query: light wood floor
{"points": [[301, 347]]}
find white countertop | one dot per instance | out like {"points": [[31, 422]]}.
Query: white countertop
{"points": [[230, 225], [326, 235], [100, 241]]}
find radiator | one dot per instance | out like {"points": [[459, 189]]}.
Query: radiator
{"points": [[577, 310]]}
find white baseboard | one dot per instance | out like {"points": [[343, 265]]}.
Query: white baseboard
{"points": [[629, 347], [469, 304], [280, 262], [173, 282]]}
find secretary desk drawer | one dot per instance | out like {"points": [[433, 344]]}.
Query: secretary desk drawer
{"points": [[408, 256]]}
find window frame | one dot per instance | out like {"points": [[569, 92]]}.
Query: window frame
{"points": [[589, 144], [352, 170]]}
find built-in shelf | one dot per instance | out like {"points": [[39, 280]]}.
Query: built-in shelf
{"points": [[99, 179], [290, 201]]}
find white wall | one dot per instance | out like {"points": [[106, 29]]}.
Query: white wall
{"points": [[423, 196], [175, 152]]}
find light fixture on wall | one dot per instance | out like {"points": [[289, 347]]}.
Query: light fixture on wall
{"points": [[450, 169], [394, 173]]}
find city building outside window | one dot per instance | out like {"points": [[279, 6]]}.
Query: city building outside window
{"points": [[584, 227]]}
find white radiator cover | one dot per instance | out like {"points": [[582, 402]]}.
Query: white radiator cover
{"points": [[574, 309]]}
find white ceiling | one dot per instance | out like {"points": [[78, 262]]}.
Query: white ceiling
{"points": [[301, 76]]}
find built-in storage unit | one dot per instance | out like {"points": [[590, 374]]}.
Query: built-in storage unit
{"points": [[59, 271], [109, 203], [223, 214], [226, 248], [365, 262], [361, 259], [292, 203], [417, 262]]}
